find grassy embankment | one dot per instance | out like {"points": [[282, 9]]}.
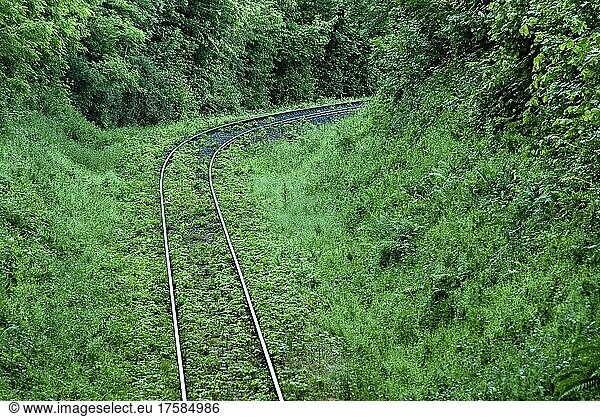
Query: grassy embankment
{"points": [[83, 298], [430, 260]]}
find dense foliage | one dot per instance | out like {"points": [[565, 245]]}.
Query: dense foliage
{"points": [[137, 61], [533, 66], [528, 73]]}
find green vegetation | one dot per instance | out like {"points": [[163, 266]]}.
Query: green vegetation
{"points": [[222, 358], [432, 253], [444, 244], [82, 304], [129, 62]]}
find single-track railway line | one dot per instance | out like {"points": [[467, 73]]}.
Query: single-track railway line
{"points": [[227, 137]]}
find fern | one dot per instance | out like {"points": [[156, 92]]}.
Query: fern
{"points": [[585, 378]]}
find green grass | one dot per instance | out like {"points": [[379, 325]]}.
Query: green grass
{"points": [[441, 262], [398, 254], [84, 303], [84, 310]]}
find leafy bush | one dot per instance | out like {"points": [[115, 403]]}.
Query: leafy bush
{"points": [[34, 39], [139, 62]]}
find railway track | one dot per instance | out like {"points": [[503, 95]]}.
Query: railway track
{"points": [[226, 135]]}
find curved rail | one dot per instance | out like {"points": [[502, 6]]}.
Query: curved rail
{"points": [[261, 122]]}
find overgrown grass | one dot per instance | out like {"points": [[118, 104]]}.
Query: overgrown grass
{"points": [[446, 263], [396, 255], [83, 297], [84, 303]]}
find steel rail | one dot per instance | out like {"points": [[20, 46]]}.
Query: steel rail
{"points": [[249, 303], [331, 110]]}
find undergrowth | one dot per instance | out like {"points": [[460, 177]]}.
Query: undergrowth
{"points": [[401, 254], [84, 302], [447, 262], [83, 298]]}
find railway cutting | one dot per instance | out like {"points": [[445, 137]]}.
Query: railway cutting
{"points": [[222, 137]]}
